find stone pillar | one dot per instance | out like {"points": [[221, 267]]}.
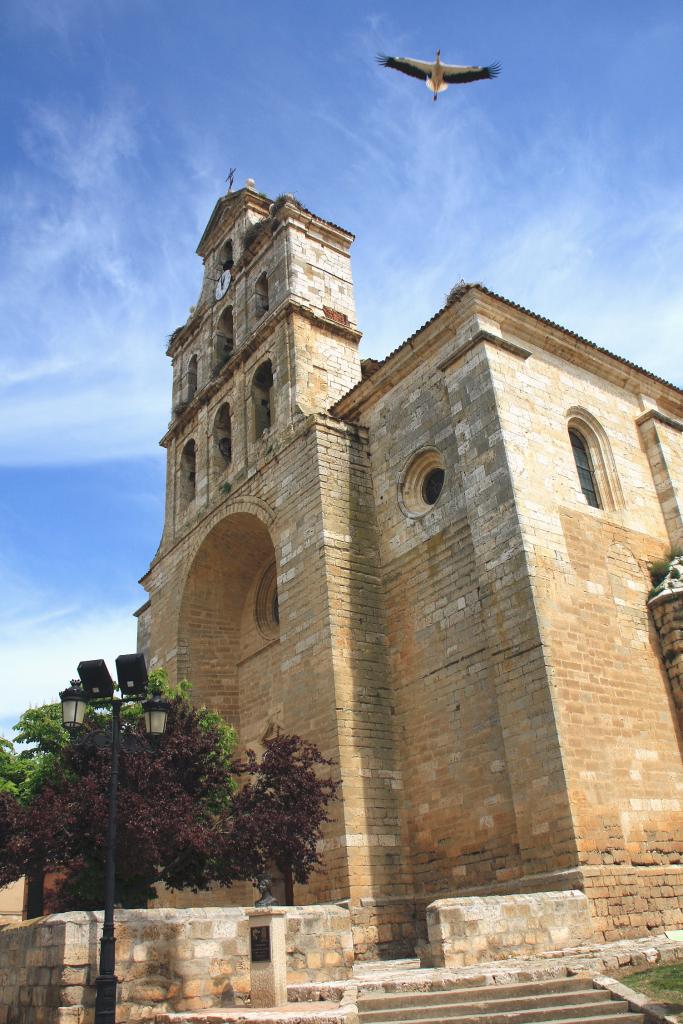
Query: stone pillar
{"points": [[661, 437], [667, 612], [267, 953]]}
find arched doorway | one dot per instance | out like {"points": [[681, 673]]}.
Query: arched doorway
{"points": [[229, 626], [228, 647]]}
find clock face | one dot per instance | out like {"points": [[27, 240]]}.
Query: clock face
{"points": [[222, 285]]}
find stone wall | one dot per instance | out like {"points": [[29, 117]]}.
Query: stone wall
{"points": [[479, 929], [166, 960], [476, 733], [532, 706], [609, 696], [627, 901], [390, 925], [12, 901], [661, 436]]}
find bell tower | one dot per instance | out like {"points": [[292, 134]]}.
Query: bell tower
{"points": [[268, 565], [272, 339]]}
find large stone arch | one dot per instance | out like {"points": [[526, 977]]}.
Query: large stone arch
{"points": [[228, 633]]}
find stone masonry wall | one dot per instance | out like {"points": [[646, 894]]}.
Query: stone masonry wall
{"points": [[620, 742], [475, 724], [372, 787], [627, 901], [386, 925], [431, 612], [663, 443], [199, 588], [485, 928], [566, 680], [306, 502], [166, 960]]}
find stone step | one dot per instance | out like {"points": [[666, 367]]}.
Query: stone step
{"points": [[473, 993], [320, 1013], [621, 1017], [605, 1010], [282, 1016], [362, 967], [449, 1008]]}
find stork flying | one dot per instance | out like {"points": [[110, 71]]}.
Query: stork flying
{"points": [[438, 76]]}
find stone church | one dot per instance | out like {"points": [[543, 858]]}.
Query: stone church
{"points": [[434, 566]]}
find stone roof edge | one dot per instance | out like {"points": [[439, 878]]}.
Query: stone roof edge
{"points": [[222, 202], [261, 197], [655, 414], [214, 218], [327, 223], [366, 388]]}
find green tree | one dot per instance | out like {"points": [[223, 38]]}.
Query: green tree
{"points": [[172, 802], [181, 821]]}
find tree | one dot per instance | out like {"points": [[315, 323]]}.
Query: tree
{"points": [[180, 821], [172, 802], [277, 815], [22, 777]]}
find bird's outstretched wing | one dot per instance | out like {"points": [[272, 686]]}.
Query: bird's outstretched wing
{"points": [[414, 68], [454, 74]]}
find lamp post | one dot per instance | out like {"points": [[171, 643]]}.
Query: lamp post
{"points": [[97, 685]]}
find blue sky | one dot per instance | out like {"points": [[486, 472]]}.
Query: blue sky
{"points": [[557, 185]]}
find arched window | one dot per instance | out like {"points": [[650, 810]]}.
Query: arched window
{"points": [[225, 342], [192, 378], [261, 388], [584, 468], [594, 460], [222, 437], [225, 258], [188, 473], [262, 299]]}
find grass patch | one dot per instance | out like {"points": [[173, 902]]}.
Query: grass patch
{"points": [[661, 984]]}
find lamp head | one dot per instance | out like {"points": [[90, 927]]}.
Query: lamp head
{"points": [[96, 680], [74, 703], [156, 711], [131, 672]]}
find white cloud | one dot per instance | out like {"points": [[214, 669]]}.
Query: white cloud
{"points": [[92, 270], [40, 652], [99, 262]]}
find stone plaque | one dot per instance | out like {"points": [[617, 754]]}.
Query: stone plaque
{"points": [[260, 945]]}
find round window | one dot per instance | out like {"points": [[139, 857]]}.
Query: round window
{"points": [[422, 482], [432, 486]]}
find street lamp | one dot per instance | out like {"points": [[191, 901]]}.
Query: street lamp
{"points": [[156, 715], [98, 685], [74, 703]]}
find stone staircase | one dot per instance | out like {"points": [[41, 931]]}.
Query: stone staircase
{"points": [[565, 1000]]}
